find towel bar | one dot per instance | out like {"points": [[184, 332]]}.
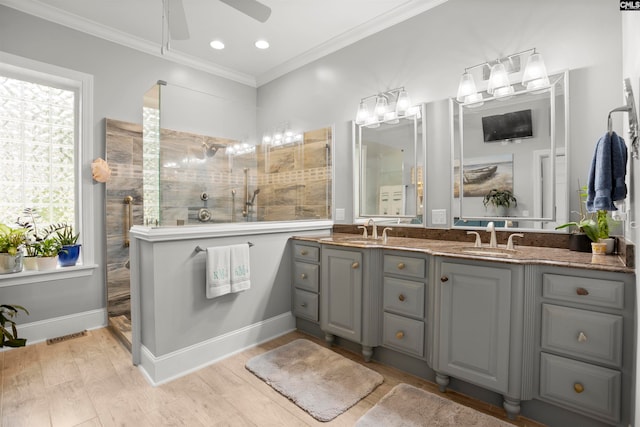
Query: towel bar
{"points": [[198, 249]]}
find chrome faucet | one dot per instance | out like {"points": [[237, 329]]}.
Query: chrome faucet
{"points": [[374, 231], [491, 228]]}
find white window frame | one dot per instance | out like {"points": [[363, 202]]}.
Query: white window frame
{"points": [[28, 69]]}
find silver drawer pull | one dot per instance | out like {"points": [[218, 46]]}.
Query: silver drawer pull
{"points": [[303, 276], [401, 297], [304, 304], [304, 252], [399, 335], [578, 388], [582, 291], [582, 337]]}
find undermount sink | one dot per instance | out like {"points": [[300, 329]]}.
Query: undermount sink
{"points": [[487, 251], [357, 240]]}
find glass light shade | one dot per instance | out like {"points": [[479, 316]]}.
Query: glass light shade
{"points": [[381, 107], [467, 87], [403, 103], [473, 100], [277, 135], [391, 117], [498, 79], [266, 138], [503, 93], [363, 114], [535, 73]]}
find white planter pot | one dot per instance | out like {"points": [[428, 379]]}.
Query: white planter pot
{"points": [[30, 263], [47, 263]]}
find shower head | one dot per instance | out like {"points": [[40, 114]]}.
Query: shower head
{"points": [[255, 193]]}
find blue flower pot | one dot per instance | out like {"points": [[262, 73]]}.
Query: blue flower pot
{"points": [[69, 255]]}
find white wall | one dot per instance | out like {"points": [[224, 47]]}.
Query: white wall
{"points": [[121, 77], [428, 53], [631, 69]]}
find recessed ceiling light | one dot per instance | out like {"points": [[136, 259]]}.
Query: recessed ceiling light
{"points": [[217, 45], [262, 44]]}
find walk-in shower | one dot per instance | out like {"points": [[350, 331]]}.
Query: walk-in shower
{"points": [[200, 160]]}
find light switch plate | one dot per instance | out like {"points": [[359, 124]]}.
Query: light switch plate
{"points": [[339, 214], [438, 216]]}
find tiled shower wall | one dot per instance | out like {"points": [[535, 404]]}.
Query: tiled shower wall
{"points": [[294, 183]]}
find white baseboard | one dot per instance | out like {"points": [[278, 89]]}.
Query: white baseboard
{"points": [[42, 330], [162, 369]]}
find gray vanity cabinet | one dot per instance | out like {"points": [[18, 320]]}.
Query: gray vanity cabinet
{"points": [[348, 297], [585, 348], [306, 278], [479, 326]]}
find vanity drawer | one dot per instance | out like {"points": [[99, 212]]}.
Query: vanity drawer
{"points": [[584, 290], [586, 334], [404, 266], [306, 252], [580, 386], [305, 276], [403, 334], [403, 297], [305, 304]]}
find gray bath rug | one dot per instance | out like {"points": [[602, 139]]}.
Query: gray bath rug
{"points": [[320, 381], [408, 406]]}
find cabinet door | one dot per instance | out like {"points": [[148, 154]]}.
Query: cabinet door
{"points": [[474, 324], [341, 293]]}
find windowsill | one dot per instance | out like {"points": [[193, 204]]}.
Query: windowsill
{"points": [[13, 279]]}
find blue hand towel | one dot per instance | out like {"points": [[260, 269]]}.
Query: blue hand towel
{"points": [[607, 175]]}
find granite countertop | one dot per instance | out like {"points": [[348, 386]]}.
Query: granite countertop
{"points": [[456, 249]]}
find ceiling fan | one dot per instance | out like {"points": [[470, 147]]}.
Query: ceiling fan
{"points": [[177, 21]]}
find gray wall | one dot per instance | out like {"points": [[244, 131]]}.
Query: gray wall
{"points": [[121, 77], [428, 53]]}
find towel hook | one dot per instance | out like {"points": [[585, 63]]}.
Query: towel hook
{"points": [[198, 249]]}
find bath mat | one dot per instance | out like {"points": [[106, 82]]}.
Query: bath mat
{"points": [[408, 406], [320, 381]]}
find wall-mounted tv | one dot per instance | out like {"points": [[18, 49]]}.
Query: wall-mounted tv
{"points": [[513, 125]]}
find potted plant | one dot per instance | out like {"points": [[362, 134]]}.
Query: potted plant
{"points": [[501, 200], [10, 337], [602, 219], [588, 229], [11, 242], [48, 250], [70, 249]]}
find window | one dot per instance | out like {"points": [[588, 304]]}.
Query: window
{"points": [[37, 145], [45, 139]]}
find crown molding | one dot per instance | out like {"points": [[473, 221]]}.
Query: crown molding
{"points": [[375, 25], [75, 22]]}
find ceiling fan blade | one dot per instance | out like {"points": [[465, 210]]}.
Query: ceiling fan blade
{"points": [[252, 8], [178, 28]]}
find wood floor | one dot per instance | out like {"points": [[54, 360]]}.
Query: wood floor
{"points": [[90, 381]]}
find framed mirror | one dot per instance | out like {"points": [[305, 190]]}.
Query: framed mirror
{"points": [[509, 159], [388, 165]]}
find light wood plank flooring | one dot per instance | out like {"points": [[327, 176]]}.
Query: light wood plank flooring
{"points": [[90, 381]]}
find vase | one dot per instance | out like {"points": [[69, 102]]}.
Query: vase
{"points": [[611, 244], [69, 255], [501, 210], [47, 263], [10, 263]]}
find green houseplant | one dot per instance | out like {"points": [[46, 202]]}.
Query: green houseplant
{"points": [[69, 247], [11, 242], [47, 251], [10, 337], [500, 199]]}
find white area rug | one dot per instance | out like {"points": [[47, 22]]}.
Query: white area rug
{"points": [[408, 406], [320, 381]]}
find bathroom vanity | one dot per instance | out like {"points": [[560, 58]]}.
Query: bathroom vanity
{"points": [[549, 330]]}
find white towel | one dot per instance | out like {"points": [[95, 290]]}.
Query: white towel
{"points": [[218, 271], [240, 271]]}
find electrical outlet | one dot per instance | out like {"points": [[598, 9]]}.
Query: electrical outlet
{"points": [[438, 216]]}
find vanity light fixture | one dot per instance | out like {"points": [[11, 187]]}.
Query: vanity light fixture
{"points": [[499, 86], [390, 106], [282, 135]]}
